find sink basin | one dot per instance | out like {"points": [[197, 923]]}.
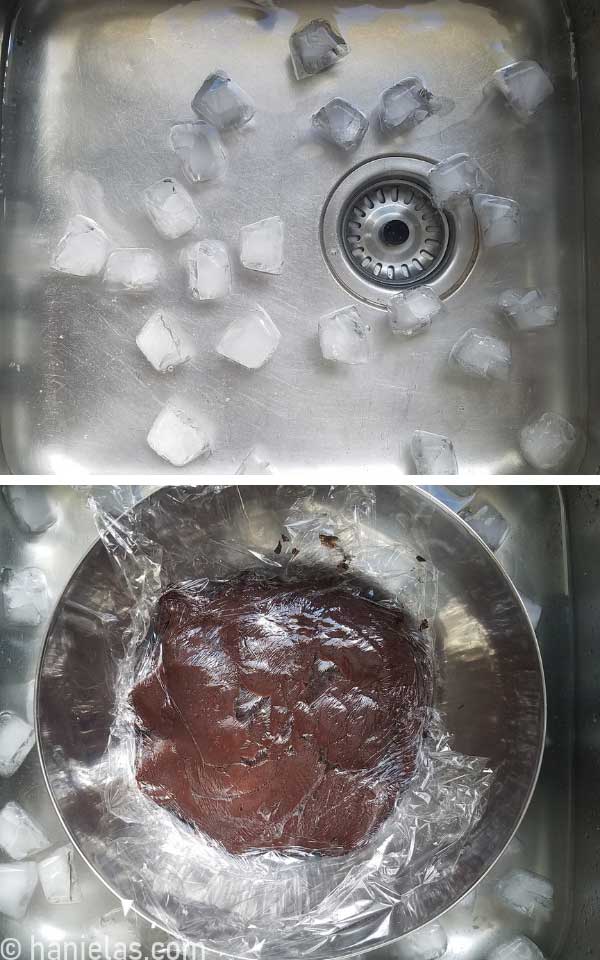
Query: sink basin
{"points": [[91, 90], [551, 555]]}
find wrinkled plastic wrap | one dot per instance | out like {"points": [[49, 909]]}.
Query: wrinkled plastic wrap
{"points": [[288, 901]]}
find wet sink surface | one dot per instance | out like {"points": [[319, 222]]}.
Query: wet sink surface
{"points": [[91, 91]]}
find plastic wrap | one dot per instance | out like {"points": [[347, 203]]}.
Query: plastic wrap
{"points": [[287, 901]]}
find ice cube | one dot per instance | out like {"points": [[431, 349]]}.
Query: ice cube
{"points": [[20, 697], [527, 310], [83, 250], [534, 610], [20, 835], [518, 948], [499, 219], [316, 47], [198, 146], [162, 342], [256, 464], [341, 123], [208, 269], [171, 208], [488, 523], [250, 340], [525, 85], [113, 932], [261, 245], [479, 355], [16, 740], [17, 885], [134, 270], [31, 507], [345, 337], [526, 892], [25, 597], [178, 437], [433, 454], [411, 311], [457, 177], [407, 103], [222, 102], [429, 943], [58, 876], [546, 443]]}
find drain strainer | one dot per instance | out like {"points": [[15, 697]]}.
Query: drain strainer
{"points": [[381, 232]]}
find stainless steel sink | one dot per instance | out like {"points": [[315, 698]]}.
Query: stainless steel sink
{"points": [[91, 87], [552, 555]]}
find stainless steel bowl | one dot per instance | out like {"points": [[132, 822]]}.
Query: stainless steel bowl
{"points": [[489, 683]]}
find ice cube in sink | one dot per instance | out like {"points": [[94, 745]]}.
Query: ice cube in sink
{"points": [[17, 886], [83, 250], [208, 270], [525, 86], [133, 270], [24, 597], [411, 311], [548, 441], [32, 508], [479, 355], [222, 102], [179, 437], [199, 147], [341, 123], [170, 208], [261, 246], [316, 47], [456, 178], [345, 337], [16, 740], [250, 340], [20, 835]]}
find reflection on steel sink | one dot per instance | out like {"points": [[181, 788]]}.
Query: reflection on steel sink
{"points": [[91, 90]]}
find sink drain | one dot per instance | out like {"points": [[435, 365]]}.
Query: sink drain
{"points": [[381, 233]]}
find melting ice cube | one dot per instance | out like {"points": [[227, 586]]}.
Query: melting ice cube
{"points": [[518, 948], [345, 337], [32, 508], [480, 355], [316, 47], [256, 464], [488, 523], [25, 597], [208, 269], [407, 103], [433, 454], [457, 177], [261, 245], [546, 443], [180, 438], [524, 84], [411, 311], [16, 740], [162, 342], [250, 340], [198, 146], [58, 876], [133, 270], [171, 208], [534, 610], [526, 892], [222, 102], [527, 310], [341, 123], [430, 943], [499, 219], [83, 250], [17, 885], [112, 931], [20, 835], [20, 697]]}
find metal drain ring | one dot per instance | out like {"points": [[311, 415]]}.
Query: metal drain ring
{"points": [[375, 226], [393, 233]]}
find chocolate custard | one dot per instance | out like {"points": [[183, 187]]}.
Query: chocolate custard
{"points": [[280, 715]]}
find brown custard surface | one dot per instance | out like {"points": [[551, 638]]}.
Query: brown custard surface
{"points": [[280, 715]]}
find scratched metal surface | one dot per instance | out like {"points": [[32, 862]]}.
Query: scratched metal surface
{"points": [[92, 87]]}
